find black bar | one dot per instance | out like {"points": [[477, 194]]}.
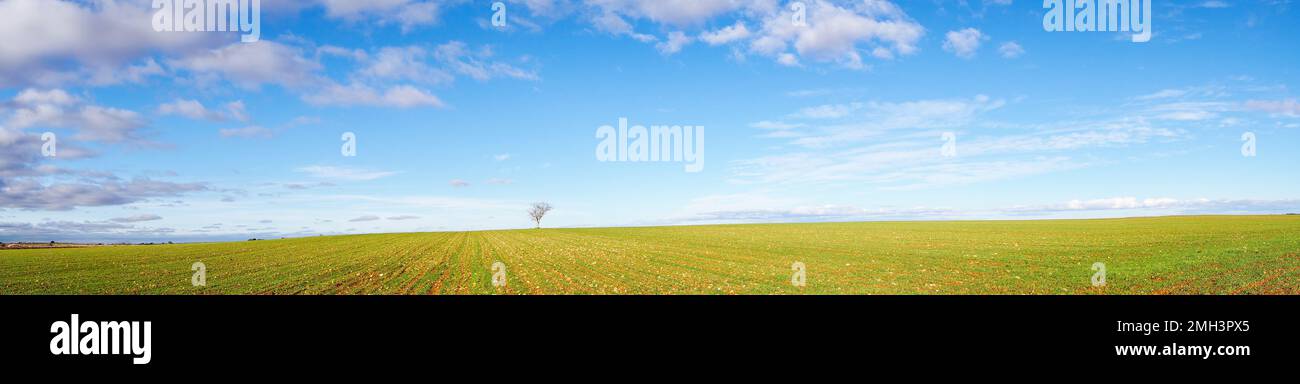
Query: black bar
{"points": [[360, 332]]}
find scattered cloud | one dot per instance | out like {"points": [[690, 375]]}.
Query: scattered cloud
{"points": [[402, 96], [30, 194], [676, 40], [249, 132], [364, 219], [832, 33], [1288, 107], [726, 35], [344, 173], [964, 43], [96, 43], [193, 109], [1011, 50], [55, 108], [250, 66], [408, 14], [136, 219], [758, 207]]}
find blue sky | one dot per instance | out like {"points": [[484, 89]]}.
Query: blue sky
{"points": [[460, 124]]}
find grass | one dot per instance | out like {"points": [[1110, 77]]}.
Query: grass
{"points": [[1172, 255]]}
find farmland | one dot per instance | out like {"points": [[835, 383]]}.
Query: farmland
{"points": [[1172, 255]]}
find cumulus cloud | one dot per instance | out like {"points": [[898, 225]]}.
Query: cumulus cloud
{"points": [[100, 43], [832, 33], [964, 43], [55, 108]]}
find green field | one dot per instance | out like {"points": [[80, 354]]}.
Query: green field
{"points": [[1175, 255]]}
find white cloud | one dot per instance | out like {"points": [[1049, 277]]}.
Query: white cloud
{"points": [[1167, 205], [672, 12], [834, 34], [136, 219], [403, 63], [775, 125], [1011, 50], [458, 183], [964, 43], [760, 207], [55, 108], [1288, 107], [726, 35], [1213, 4], [26, 193], [106, 41], [676, 40], [248, 132], [409, 14], [191, 109], [854, 122], [457, 57], [829, 111], [788, 59], [237, 110], [251, 65], [896, 145], [378, 79], [344, 173], [401, 96]]}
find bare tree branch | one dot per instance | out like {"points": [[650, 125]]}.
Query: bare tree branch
{"points": [[538, 211]]}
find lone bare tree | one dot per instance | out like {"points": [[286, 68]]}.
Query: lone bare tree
{"points": [[538, 211]]}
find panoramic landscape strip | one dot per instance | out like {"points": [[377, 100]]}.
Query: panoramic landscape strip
{"points": [[1160, 256]]}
